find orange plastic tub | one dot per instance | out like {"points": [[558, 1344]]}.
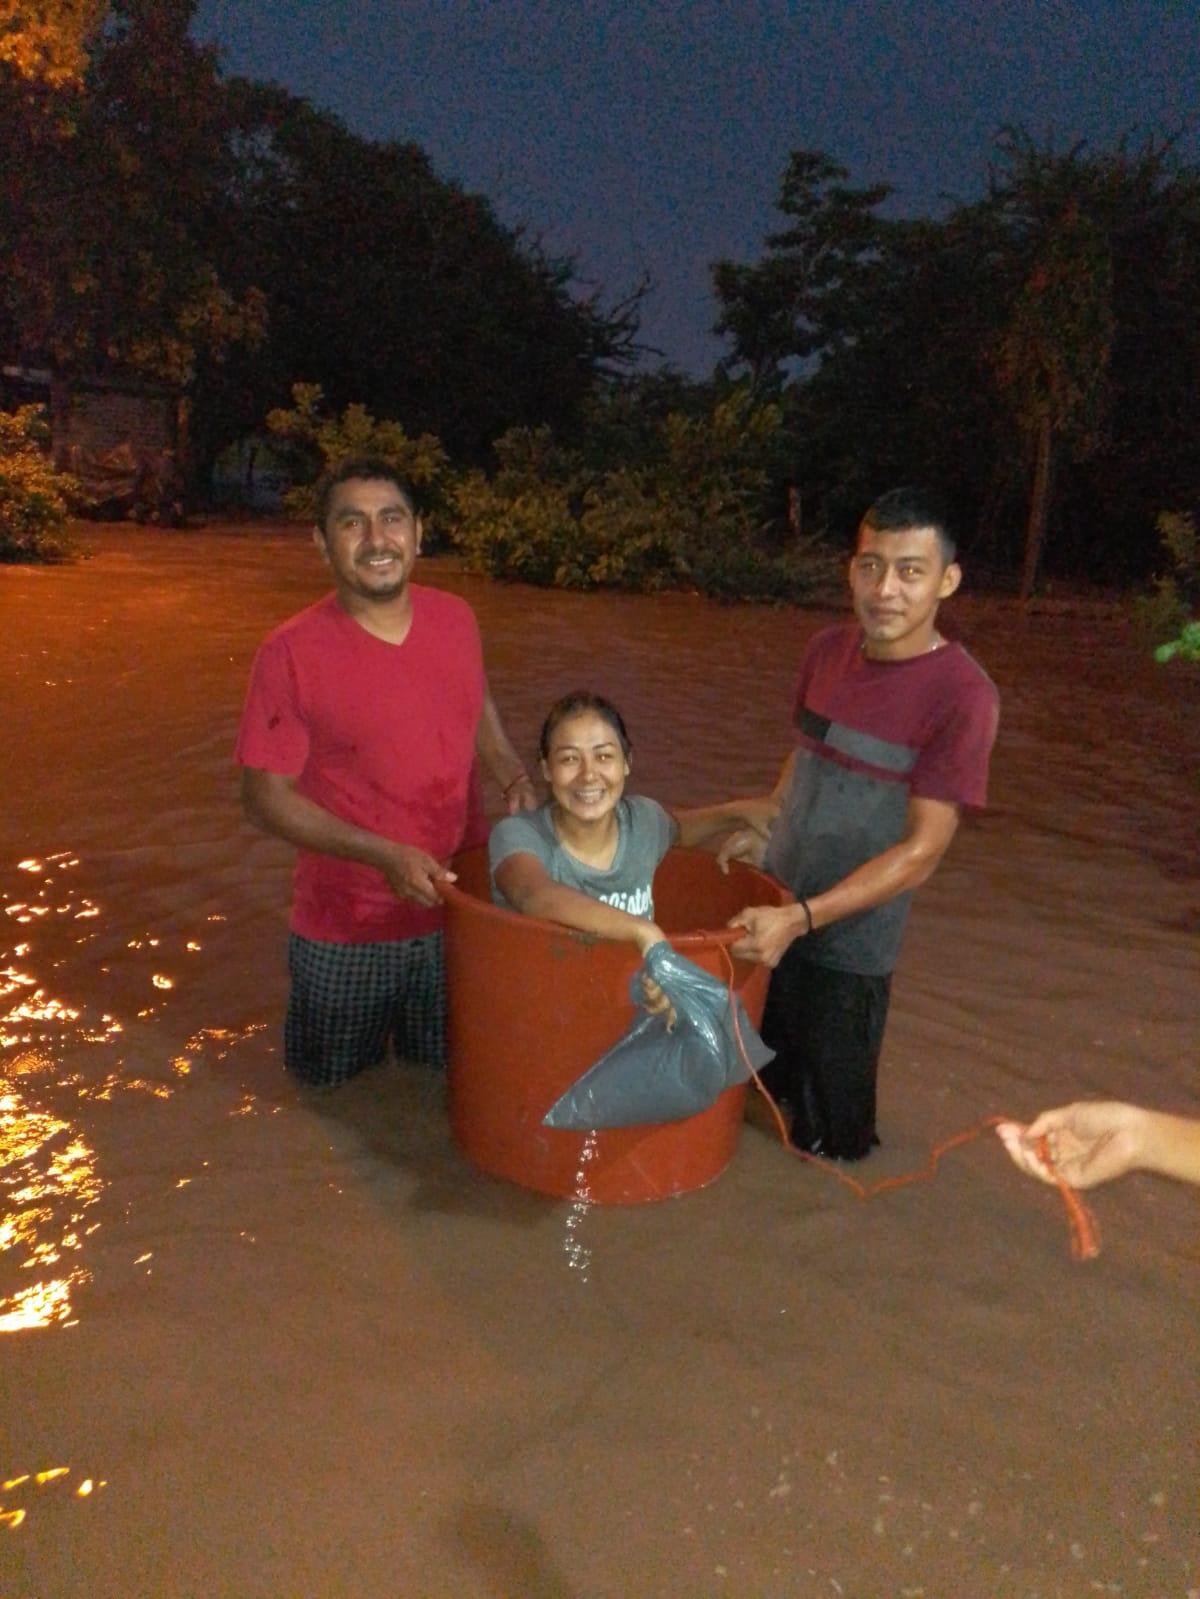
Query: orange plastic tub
{"points": [[533, 1005]]}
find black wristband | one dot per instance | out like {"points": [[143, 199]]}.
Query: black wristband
{"points": [[808, 926]]}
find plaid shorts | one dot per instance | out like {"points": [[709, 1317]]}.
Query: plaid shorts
{"points": [[349, 1000]]}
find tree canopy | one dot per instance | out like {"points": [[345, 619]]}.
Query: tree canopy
{"points": [[398, 290], [112, 210], [794, 304], [48, 43], [161, 220], [1035, 352]]}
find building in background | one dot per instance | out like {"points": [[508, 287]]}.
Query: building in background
{"points": [[124, 440]]}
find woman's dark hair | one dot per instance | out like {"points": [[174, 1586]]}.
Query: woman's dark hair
{"points": [[573, 704]]}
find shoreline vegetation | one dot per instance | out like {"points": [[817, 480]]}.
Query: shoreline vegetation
{"points": [[1119, 615], [646, 501], [1105, 606]]}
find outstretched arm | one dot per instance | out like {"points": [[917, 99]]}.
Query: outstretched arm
{"points": [[700, 825], [527, 885], [495, 750], [272, 802], [930, 825], [1091, 1142], [749, 844]]}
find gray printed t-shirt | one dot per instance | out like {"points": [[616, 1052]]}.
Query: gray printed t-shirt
{"points": [[870, 735], [646, 833]]}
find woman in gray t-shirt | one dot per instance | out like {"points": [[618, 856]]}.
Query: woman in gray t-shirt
{"points": [[587, 858]]}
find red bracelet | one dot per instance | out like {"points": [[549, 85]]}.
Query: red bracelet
{"points": [[521, 777]]}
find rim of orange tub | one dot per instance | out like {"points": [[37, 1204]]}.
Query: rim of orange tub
{"points": [[553, 1000]]}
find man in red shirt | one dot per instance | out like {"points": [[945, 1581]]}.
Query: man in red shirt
{"points": [[358, 743], [894, 730]]}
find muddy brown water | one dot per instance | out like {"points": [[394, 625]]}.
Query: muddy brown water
{"points": [[256, 1343]]}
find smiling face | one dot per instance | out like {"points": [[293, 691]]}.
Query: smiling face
{"points": [[586, 766], [371, 539], [897, 580]]}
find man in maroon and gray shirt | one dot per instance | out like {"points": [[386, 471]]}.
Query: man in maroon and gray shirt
{"points": [[894, 728]]}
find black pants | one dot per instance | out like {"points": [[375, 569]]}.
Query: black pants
{"points": [[826, 1028]]}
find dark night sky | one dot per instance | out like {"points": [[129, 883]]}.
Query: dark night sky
{"points": [[637, 135]]}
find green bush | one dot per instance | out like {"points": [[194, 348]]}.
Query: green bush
{"points": [[687, 515], [35, 500], [686, 512], [526, 534], [808, 572], [1184, 648], [1171, 607], [313, 441]]}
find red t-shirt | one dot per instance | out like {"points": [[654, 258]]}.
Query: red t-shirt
{"points": [[382, 735], [929, 721]]}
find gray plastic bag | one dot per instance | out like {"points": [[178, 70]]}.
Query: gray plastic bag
{"points": [[652, 1075]]}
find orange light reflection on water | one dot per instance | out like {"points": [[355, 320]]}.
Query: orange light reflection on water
{"points": [[48, 1180], [15, 1517], [48, 1170]]}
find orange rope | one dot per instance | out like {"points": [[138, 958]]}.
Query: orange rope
{"points": [[1085, 1232]]}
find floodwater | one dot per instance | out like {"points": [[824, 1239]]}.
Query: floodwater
{"points": [[262, 1343]]}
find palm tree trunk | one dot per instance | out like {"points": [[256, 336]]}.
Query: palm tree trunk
{"points": [[1039, 505]]}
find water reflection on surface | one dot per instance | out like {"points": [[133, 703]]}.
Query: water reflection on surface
{"points": [[47, 1167], [49, 1181], [24, 1485], [60, 1054]]}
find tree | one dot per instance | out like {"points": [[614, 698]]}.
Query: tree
{"points": [[315, 441], [231, 240], [621, 421], [112, 207], [1034, 351], [395, 289], [48, 43], [1147, 455], [1051, 357], [796, 302], [905, 393]]}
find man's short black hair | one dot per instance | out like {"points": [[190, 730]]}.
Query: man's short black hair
{"points": [[909, 507], [371, 467]]}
